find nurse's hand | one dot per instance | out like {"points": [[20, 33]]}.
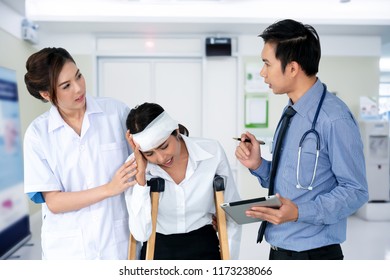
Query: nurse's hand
{"points": [[121, 180], [249, 153], [140, 159]]}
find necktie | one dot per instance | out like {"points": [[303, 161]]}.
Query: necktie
{"points": [[285, 120]]}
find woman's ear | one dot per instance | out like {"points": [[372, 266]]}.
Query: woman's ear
{"points": [[45, 95], [178, 135]]}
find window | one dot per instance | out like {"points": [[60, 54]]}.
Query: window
{"points": [[384, 98]]}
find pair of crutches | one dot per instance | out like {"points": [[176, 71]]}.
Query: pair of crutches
{"points": [[157, 185]]}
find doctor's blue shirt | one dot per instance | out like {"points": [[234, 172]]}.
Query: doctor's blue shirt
{"points": [[340, 185]]}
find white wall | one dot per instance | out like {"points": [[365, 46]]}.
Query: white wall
{"points": [[10, 21]]}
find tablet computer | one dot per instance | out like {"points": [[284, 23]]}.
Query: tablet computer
{"points": [[236, 210]]}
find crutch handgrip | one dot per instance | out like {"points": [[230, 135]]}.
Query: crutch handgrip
{"points": [[219, 183], [156, 184]]}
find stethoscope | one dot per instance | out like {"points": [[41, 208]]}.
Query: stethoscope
{"points": [[315, 132]]}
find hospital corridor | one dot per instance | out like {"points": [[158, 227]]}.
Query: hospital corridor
{"points": [[281, 98]]}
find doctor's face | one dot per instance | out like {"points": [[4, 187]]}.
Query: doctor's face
{"points": [[272, 70], [167, 154]]}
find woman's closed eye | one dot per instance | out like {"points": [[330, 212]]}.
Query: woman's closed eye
{"points": [[163, 147], [148, 154]]}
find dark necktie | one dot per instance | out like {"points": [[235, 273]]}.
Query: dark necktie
{"points": [[288, 114]]}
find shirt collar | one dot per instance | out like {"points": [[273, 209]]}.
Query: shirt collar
{"points": [[56, 121], [312, 96], [196, 154], [195, 151]]}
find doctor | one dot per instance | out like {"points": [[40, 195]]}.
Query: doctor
{"points": [[73, 163], [321, 176]]}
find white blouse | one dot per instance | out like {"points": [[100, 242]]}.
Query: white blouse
{"points": [[189, 205]]}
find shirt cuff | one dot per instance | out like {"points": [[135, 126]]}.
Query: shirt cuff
{"points": [[139, 196], [261, 171], [306, 212]]}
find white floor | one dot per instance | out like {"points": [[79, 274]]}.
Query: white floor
{"points": [[366, 240]]}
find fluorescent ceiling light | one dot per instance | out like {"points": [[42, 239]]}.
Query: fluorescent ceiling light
{"points": [[314, 11]]}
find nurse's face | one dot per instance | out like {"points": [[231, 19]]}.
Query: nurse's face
{"points": [[70, 89], [167, 154]]}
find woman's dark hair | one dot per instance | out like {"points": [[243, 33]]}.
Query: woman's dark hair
{"points": [[142, 115], [43, 69], [295, 42]]}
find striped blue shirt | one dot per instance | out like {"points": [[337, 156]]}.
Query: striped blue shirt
{"points": [[340, 186]]}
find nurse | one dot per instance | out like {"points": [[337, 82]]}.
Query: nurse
{"points": [[188, 165], [73, 162]]}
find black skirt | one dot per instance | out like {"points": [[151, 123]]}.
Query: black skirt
{"points": [[200, 244]]}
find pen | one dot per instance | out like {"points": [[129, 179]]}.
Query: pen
{"points": [[261, 142]]}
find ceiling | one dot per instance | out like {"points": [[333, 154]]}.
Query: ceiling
{"points": [[329, 17]]}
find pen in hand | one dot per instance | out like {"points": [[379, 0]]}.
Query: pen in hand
{"points": [[261, 142]]}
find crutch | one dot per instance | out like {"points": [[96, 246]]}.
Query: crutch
{"points": [[219, 188], [132, 255], [157, 185]]}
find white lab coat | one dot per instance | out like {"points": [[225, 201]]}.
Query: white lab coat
{"points": [[189, 205], [56, 158]]}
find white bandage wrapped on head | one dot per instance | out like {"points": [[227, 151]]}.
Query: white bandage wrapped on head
{"points": [[156, 132]]}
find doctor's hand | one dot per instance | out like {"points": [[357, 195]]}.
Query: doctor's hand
{"points": [[249, 153], [140, 159], [288, 212]]}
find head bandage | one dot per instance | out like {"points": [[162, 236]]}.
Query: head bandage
{"points": [[156, 132]]}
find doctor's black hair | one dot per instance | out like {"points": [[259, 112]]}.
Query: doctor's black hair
{"points": [[295, 41]]}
